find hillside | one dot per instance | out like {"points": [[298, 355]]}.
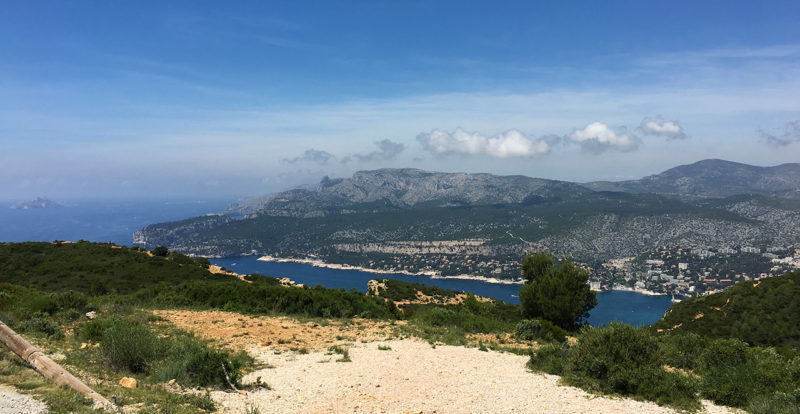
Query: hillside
{"points": [[391, 189], [764, 312], [713, 179], [591, 226]]}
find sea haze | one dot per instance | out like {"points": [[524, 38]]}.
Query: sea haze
{"points": [[110, 220]]}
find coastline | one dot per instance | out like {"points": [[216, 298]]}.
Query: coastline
{"points": [[642, 291], [431, 274]]}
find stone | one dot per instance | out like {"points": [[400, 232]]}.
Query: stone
{"points": [[91, 315], [128, 382]]}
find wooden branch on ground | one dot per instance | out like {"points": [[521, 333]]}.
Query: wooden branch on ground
{"points": [[45, 366]]}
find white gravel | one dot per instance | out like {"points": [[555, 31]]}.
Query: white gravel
{"points": [[12, 402], [414, 377]]}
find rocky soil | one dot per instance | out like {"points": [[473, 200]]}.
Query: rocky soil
{"points": [[12, 402]]}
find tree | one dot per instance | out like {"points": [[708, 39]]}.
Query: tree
{"points": [[160, 251], [536, 265], [559, 294]]}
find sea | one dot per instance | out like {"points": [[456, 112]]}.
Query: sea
{"points": [[103, 220]]}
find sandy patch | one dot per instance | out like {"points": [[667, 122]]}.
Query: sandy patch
{"points": [[240, 331]]}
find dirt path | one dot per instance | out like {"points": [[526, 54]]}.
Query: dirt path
{"points": [[12, 402], [386, 375]]}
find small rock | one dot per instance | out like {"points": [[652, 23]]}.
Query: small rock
{"points": [[91, 315], [128, 382], [171, 382], [84, 345]]}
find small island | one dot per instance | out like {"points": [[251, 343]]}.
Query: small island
{"points": [[39, 202]]}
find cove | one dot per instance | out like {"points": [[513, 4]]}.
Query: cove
{"points": [[628, 307]]}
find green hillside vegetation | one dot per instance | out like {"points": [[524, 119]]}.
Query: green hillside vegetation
{"points": [[94, 268], [46, 288], [737, 348], [676, 369], [764, 312], [129, 276], [297, 235]]}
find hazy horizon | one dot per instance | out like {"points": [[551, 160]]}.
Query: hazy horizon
{"points": [[200, 99]]}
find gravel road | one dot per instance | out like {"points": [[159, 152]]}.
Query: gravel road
{"points": [[12, 402], [413, 377]]}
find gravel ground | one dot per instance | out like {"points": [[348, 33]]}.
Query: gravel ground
{"points": [[12, 402], [414, 377]]}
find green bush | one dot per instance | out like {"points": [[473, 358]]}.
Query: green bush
{"points": [[94, 330], [776, 403], [129, 345], [682, 350], [191, 361], [539, 329], [160, 251], [619, 359], [745, 377], [550, 359], [40, 322], [71, 300], [723, 353]]}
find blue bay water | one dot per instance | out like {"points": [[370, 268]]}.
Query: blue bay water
{"points": [[629, 307], [116, 220]]}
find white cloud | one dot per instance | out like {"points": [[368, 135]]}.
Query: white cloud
{"points": [[789, 136], [511, 143], [311, 155], [659, 127], [598, 137], [387, 150]]}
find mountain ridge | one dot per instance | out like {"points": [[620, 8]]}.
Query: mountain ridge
{"points": [[713, 178], [388, 188], [379, 213]]}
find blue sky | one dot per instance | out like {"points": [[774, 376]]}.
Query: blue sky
{"points": [[199, 98]]}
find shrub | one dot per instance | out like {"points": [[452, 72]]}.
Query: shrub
{"points": [[621, 359], [180, 258], [94, 329], [777, 402], [160, 251], [682, 350], [194, 362], [746, 377], [71, 300], [550, 359], [538, 329], [722, 353], [202, 261], [130, 345], [40, 322]]}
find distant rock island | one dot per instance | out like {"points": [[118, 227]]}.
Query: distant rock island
{"points": [[39, 202]]}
